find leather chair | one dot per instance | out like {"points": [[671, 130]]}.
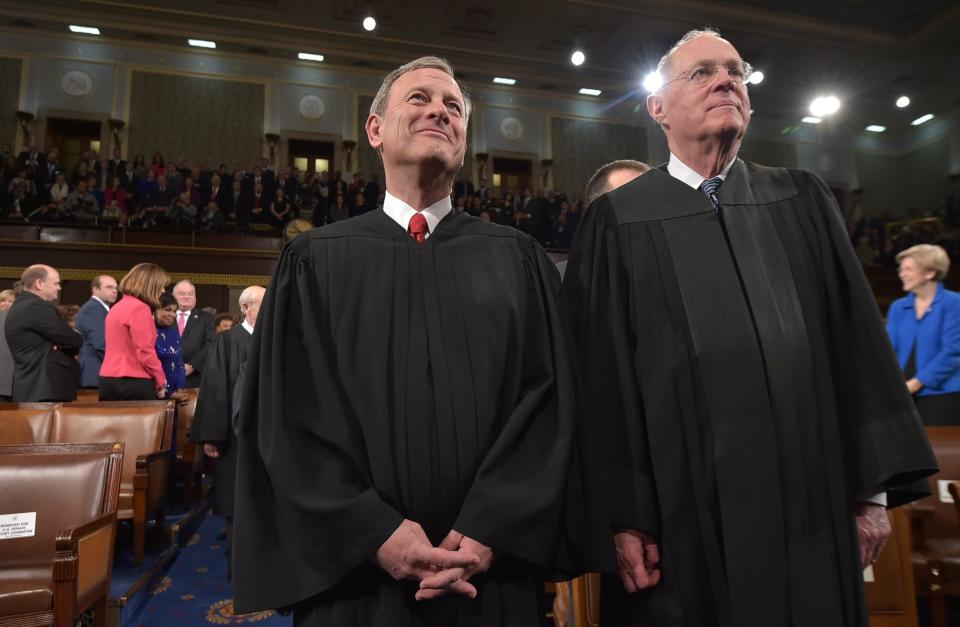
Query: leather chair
{"points": [[27, 423], [146, 429], [577, 602], [64, 568], [188, 465]]}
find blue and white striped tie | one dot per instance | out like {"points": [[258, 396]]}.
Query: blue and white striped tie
{"points": [[710, 187]]}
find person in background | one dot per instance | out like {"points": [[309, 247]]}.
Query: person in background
{"points": [[223, 322], [69, 314], [924, 327], [168, 346], [6, 299], [91, 321], [131, 370]]}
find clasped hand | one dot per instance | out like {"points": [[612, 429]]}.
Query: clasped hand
{"points": [[407, 555]]}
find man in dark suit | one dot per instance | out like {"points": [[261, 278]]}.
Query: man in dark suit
{"points": [[42, 344], [90, 323], [116, 166], [196, 331], [34, 161]]}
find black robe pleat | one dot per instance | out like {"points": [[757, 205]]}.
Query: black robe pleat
{"points": [[746, 395], [389, 380], [213, 419]]}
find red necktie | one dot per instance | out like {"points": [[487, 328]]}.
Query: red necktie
{"points": [[418, 228]]}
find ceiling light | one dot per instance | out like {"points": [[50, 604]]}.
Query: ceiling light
{"points": [[876, 128], [369, 23], [590, 92], [824, 105], [652, 82], [504, 81], [202, 43], [577, 58], [922, 119], [756, 78], [903, 101], [811, 120], [86, 30], [307, 56]]}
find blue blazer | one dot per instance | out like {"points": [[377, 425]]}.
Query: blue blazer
{"points": [[90, 323], [937, 338]]}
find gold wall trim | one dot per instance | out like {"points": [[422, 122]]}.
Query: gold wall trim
{"points": [[87, 274]]}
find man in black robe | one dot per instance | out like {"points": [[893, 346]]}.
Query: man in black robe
{"points": [[409, 446], [213, 419], [752, 414]]}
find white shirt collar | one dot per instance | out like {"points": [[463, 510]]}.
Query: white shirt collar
{"points": [[400, 212], [682, 172], [105, 306], [185, 312], [246, 325]]}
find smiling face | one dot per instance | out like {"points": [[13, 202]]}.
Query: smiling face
{"points": [[165, 316], [695, 113], [912, 275], [424, 121]]}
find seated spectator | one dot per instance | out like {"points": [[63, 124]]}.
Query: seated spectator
{"points": [[69, 314], [222, 322], [281, 209], [94, 188], [194, 192], [168, 345], [81, 205], [21, 195], [180, 213], [174, 179], [339, 210], [359, 204], [211, 217], [81, 172], [6, 299], [115, 201], [53, 166]]}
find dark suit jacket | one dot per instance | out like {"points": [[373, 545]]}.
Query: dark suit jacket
{"points": [[90, 323], [195, 343], [41, 373], [162, 198]]}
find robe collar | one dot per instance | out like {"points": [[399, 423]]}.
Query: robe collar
{"points": [[247, 326], [682, 172], [400, 212]]}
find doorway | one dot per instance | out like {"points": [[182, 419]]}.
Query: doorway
{"points": [[311, 156], [511, 176], [73, 138]]}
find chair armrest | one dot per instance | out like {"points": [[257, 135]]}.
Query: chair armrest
{"points": [[153, 470], [65, 563]]}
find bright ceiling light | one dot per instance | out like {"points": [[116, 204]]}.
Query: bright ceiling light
{"points": [[202, 43], [876, 128], [590, 92], [577, 58], [903, 101], [504, 81], [922, 119], [756, 78], [369, 23], [86, 30], [309, 56], [811, 120], [824, 105], [652, 81]]}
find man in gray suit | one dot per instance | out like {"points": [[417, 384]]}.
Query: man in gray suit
{"points": [[90, 323]]}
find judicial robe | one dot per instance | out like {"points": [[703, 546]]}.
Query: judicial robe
{"points": [[213, 419], [745, 395], [389, 380]]}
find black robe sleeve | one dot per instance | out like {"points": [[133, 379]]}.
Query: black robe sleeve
{"points": [[597, 294], [212, 418], [540, 469], [886, 444], [306, 513]]}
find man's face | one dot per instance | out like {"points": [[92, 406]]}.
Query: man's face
{"points": [[49, 289], [107, 292], [251, 310], [691, 112], [186, 296], [424, 121], [116, 154]]}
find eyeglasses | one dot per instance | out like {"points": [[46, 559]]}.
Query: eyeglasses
{"points": [[704, 74]]}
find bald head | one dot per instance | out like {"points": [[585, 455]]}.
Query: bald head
{"points": [[41, 280], [250, 300]]}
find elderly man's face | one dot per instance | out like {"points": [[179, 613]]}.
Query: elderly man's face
{"points": [[424, 120], [696, 112], [186, 296]]}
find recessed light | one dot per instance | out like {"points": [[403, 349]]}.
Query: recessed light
{"points": [[876, 128], [308, 56], [811, 120], [369, 23], [504, 81], [577, 58], [652, 81], [756, 78], [922, 119], [590, 92], [903, 101], [824, 105], [202, 43], [86, 30]]}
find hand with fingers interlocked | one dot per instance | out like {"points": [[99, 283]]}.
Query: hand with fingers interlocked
{"points": [[408, 555], [457, 578]]}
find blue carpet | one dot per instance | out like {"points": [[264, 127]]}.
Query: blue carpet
{"points": [[195, 591]]}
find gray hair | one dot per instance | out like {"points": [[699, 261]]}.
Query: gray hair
{"points": [[249, 295], [706, 31], [379, 105]]}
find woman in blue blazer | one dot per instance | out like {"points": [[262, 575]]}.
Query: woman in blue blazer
{"points": [[924, 327]]}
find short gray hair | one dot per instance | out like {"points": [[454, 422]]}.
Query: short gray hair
{"points": [[379, 105], [599, 183], [697, 33], [247, 296]]}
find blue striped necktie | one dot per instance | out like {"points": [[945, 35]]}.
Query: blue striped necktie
{"points": [[710, 187]]}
